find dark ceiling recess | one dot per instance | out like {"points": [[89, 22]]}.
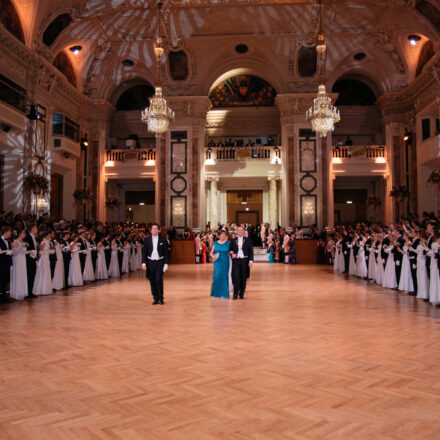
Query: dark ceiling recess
{"points": [[241, 48], [360, 56], [10, 20], [128, 63], [55, 28], [135, 98], [353, 92]]}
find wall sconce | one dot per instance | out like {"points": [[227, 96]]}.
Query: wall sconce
{"points": [[85, 141]]}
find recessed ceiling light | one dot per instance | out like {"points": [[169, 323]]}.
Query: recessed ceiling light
{"points": [[360, 56], [128, 63], [241, 48], [75, 49], [414, 39]]}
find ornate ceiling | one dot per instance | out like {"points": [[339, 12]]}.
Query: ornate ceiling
{"points": [[110, 31]]}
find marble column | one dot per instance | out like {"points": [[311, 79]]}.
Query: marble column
{"points": [[273, 205], [214, 204]]}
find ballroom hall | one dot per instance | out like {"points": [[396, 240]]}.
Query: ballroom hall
{"points": [[220, 219]]}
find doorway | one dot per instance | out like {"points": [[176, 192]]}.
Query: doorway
{"points": [[244, 206]]}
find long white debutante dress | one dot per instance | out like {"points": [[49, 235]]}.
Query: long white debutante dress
{"points": [[406, 282], [101, 267], [138, 255], [58, 276], [361, 263], [380, 271], [88, 274], [351, 261], [422, 273], [75, 275], [114, 263], [389, 278], [372, 263], [434, 278], [19, 286], [339, 266], [43, 276], [133, 262], [126, 258]]}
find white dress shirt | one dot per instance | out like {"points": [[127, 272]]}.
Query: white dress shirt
{"points": [[155, 253], [240, 248]]}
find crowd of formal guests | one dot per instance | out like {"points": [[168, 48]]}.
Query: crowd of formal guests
{"points": [[402, 256], [39, 256]]}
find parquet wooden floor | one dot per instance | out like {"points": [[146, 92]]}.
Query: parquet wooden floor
{"points": [[307, 356]]}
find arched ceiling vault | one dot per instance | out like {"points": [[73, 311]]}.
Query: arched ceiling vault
{"points": [[113, 30]]}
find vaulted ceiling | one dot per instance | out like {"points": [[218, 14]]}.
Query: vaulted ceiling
{"points": [[110, 31]]}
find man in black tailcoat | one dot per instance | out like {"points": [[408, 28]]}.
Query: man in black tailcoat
{"points": [[94, 251], [415, 241], [52, 255], [82, 249], [107, 250], [65, 246], [5, 263], [346, 242], [242, 260], [155, 262], [31, 258], [398, 253]]}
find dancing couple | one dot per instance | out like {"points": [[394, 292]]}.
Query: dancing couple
{"points": [[241, 251]]}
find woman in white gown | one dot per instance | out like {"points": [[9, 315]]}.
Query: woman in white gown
{"points": [[406, 282], [101, 267], [126, 257], [132, 256], [75, 275], [18, 286], [389, 278], [372, 258], [88, 274], [43, 277], [58, 276], [351, 260], [434, 278], [422, 274], [361, 263], [380, 272], [138, 253], [114, 263], [339, 257]]}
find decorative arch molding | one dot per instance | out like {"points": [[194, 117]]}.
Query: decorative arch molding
{"points": [[10, 18], [371, 83]]}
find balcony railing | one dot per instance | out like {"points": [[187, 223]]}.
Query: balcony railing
{"points": [[242, 153], [126, 155], [359, 151]]}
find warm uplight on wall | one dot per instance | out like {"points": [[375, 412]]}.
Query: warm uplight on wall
{"points": [[150, 163], [110, 163], [336, 160], [380, 160], [210, 161], [276, 161]]}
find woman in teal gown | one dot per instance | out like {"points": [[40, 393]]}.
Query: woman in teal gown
{"points": [[220, 253]]}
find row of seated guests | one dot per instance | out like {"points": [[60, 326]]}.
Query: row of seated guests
{"points": [[37, 260], [403, 256]]}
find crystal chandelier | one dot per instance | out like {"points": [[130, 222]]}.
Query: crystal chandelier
{"points": [[323, 115], [158, 115]]}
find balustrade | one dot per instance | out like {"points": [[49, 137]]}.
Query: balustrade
{"points": [[368, 151], [124, 155], [243, 153]]}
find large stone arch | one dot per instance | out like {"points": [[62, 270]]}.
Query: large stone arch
{"points": [[11, 20]]}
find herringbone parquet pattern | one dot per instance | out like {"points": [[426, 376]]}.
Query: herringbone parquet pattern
{"points": [[307, 356]]}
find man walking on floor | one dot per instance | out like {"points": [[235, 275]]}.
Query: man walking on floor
{"points": [[242, 260], [155, 262]]}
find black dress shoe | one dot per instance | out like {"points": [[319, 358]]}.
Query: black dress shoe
{"points": [[155, 302], [234, 298], [161, 302], [6, 300], [31, 295], [426, 300], [241, 297]]}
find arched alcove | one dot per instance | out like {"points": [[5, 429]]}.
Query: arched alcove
{"points": [[63, 64], [243, 91], [55, 28], [10, 19], [135, 98], [427, 52], [353, 92]]}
